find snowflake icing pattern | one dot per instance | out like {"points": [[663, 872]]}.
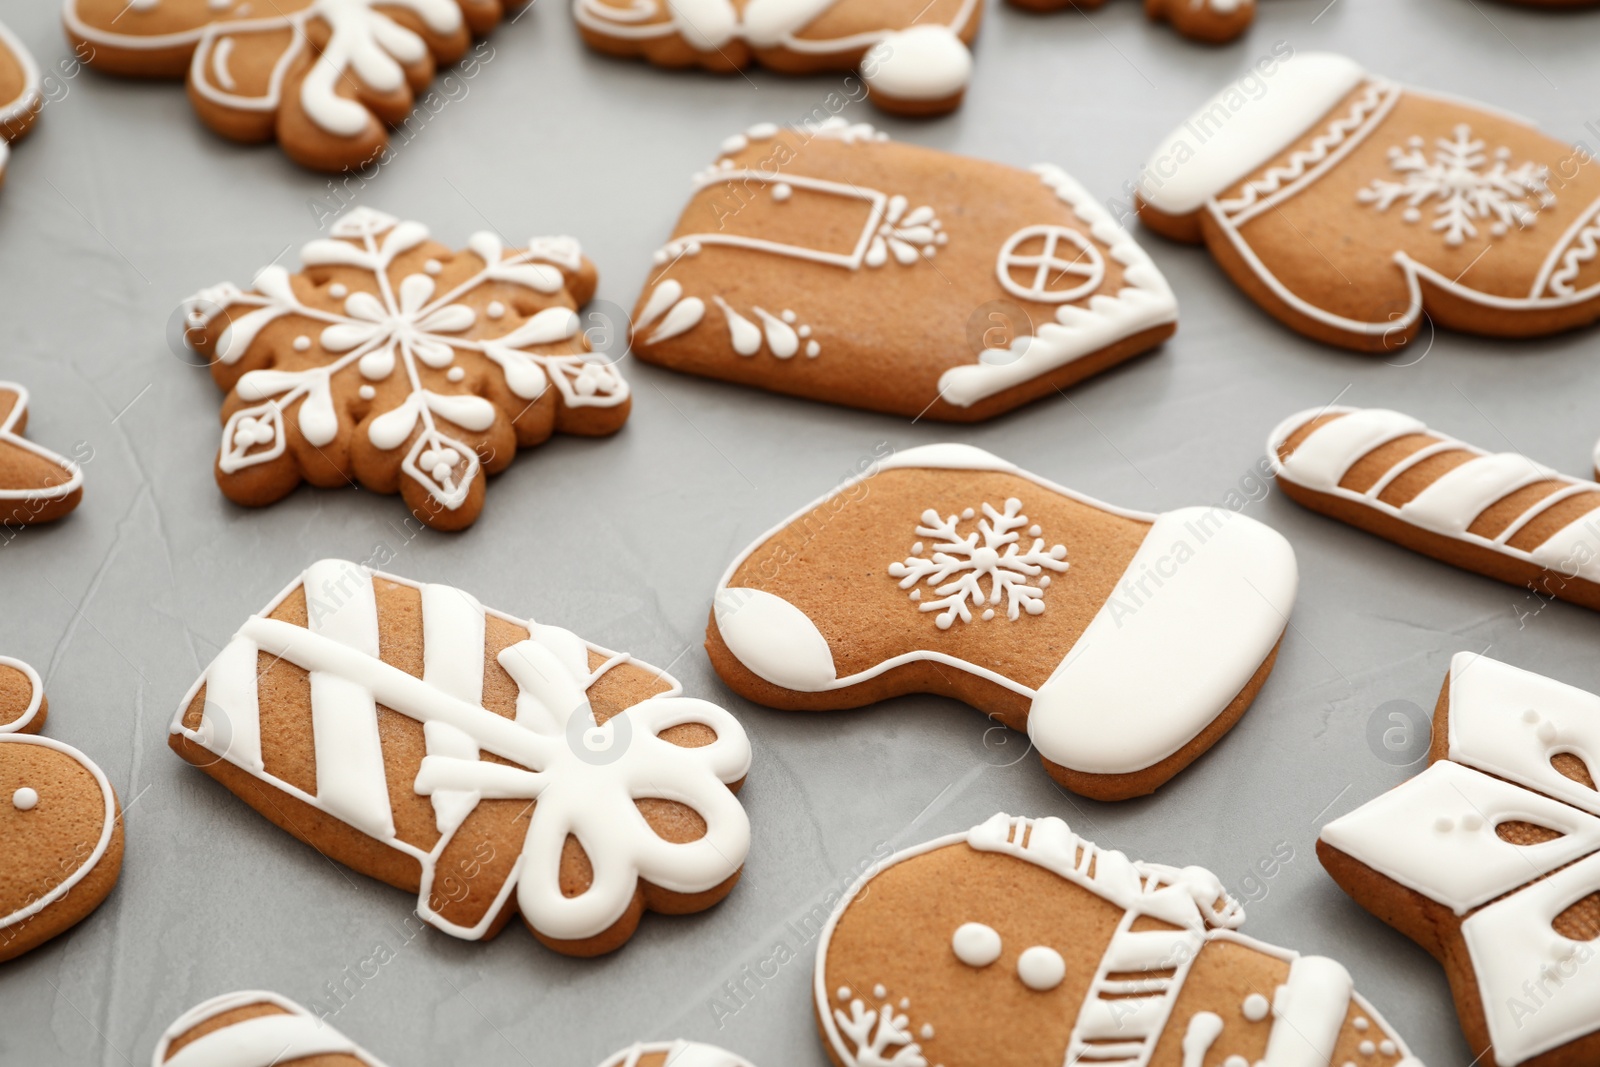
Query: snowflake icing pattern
{"points": [[407, 328], [1470, 189], [959, 563], [882, 1037]]}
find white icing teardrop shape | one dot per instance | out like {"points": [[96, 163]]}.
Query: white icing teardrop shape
{"points": [[781, 338], [744, 335], [681, 319]]}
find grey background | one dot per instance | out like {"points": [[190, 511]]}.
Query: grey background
{"points": [[120, 204]]}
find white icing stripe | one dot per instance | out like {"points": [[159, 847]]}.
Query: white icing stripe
{"points": [[264, 1041], [351, 781], [1323, 458], [452, 659], [1539, 989], [1435, 834], [231, 718], [1308, 1013], [1510, 723], [102, 842], [1450, 504], [35, 699]]}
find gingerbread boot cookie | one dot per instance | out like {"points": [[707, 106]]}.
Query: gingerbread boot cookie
{"points": [[36, 484]]}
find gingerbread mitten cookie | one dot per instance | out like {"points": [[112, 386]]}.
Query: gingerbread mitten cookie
{"points": [[828, 262], [60, 824], [1490, 860], [1020, 943], [1125, 644], [1349, 207], [674, 1054], [915, 59], [1210, 21], [255, 1029], [19, 92], [393, 361], [36, 484], [490, 764], [1502, 515], [326, 78]]}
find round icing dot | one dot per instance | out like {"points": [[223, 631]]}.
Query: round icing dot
{"points": [[367, 392], [25, 799], [927, 1031], [659, 257], [804, 331], [844, 992], [879, 992], [788, 316], [1472, 821], [975, 944], [1256, 1007], [338, 290], [1044, 581], [1388, 1048], [782, 191], [495, 310], [302, 343], [968, 513], [433, 266], [988, 613], [1041, 968], [1367, 1048], [1444, 824], [905, 1002], [737, 143], [455, 374], [762, 131], [813, 350]]}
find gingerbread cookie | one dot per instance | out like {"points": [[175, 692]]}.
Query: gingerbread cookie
{"points": [[1020, 942], [255, 1029], [674, 1054], [326, 78], [1490, 860], [19, 93], [394, 362], [466, 755], [1349, 206], [1210, 21], [913, 59], [36, 484], [831, 263], [1125, 644], [1502, 515], [60, 824]]}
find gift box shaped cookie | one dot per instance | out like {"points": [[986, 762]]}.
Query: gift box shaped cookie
{"points": [[914, 60], [1020, 943], [491, 765], [1124, 643], [828, 262], [1350, 207], [1490, 860]]}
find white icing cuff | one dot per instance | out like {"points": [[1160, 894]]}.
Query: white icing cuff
{"points": [[1197, 612], [774, 640], [947, 456], [1243, 127], [920, 63], [1308, 1013]]}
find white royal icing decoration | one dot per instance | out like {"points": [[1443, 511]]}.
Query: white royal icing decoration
{"points": [[975, 944], [35, 699], [291, 1033], [103, 841], [1041, 968], [1449, 505], [677, 1054], [409, 329], [25, 799], [1195, 568], [10, 436], [585, 777]]}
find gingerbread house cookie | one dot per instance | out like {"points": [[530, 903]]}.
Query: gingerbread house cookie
{"points": [[1490, 860], [1124, 643], [491, 765], [325, 78], [831, 263], [255, 1029], [1350, 206], [1019, 942], [914, 60], [36, 484], [1500, 514], [393, 361]]}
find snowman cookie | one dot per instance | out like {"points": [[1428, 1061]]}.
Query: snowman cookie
{"points": [[674, 1054], [1124, 643], [489, 764], [1490, 860], [1499, 514], [325, 78], [1209, 21], [60, 824], [1350, 206], [19, 93], [255, 1029], [393, 361], [914, 60], [831, 263], [36, 484], [1021, 943]]}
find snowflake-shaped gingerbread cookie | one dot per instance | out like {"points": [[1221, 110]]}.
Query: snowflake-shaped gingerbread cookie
{"points": [[1352, 207], [492, 765], [956, 565], [394, 362], [326, 78]]}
